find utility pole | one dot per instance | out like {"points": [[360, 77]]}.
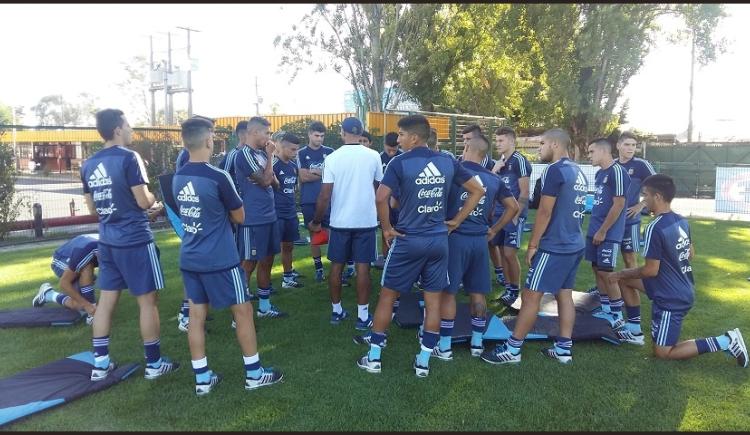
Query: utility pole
{"points": [[692, 76], [168, 111], [189, 73], [151, 87], [258, 100]]}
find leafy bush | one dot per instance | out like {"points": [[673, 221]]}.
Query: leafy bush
{"points": [[10, 206]]}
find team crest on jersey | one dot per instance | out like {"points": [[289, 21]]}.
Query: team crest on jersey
{"points": [[630, 171], [606, 177]]}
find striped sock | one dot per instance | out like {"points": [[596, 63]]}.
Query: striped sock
{"points": [[500, 274], [563, 346], [376, 345], [514, 345], [429, 341], [101, 351], [350, 266], [513, 289], [604, 301], [616, 305], [318, 264], [185, 308], [88, 293], [634, 319], [446, 330], [477, 330], [264, 299], [253, 370], [288, 276], [152, 353], [395, 308], [200, 368], [712, 344], [61, 298]]}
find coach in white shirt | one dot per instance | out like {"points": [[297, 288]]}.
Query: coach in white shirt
{"points": [[350, 177]]}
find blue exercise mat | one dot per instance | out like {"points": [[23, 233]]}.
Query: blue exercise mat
{"points": [[54, 384], [39, 317]]}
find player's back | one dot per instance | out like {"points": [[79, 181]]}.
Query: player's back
{"points": [[478, 220], [638, 169], [260, 200], [564, 180], [76, 252]]}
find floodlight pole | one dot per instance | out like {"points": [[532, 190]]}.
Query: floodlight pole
{"points": [[168, 112], [189, 73], [151, 88]]}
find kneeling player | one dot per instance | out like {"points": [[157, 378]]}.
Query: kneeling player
{"points": [[74, 264], [667, 279], [469, 263], [209, 263]]}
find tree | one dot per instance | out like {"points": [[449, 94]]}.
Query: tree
{"points": [[135, 86], [55, 110], [10, 205]]}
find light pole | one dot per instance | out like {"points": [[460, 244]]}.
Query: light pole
{"points": [[190, 69]]}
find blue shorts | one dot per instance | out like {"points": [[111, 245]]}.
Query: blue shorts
{"points": [[631, 240], [412, 257], [136, 268], [256, 242], [511, 234], [308, 213], [666, 325], [221, 289], [603, 256], [550, 272], [469, 263], [288, 229], [358, 245]]}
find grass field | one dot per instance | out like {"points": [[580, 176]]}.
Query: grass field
{"points": [[606, 388]]}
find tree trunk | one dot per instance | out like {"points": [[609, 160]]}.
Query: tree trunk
{"points": [[692, 76]]}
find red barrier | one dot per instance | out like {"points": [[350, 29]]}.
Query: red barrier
{"points": [[56, 222]]}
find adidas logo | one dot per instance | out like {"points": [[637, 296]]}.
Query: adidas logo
{"points": [[683, 242], [99, 177], [582, 185], [281, 172], [430, 175], [188, 193]]}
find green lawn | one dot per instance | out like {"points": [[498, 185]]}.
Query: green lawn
{"points": [[606, 388]]}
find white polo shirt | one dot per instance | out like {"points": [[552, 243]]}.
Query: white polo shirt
{"points": [[352, 169]]}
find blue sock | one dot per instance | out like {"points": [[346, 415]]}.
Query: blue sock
{"points": [[200, 368], [88, 293], [615, 305], [350, 266], [153, 353], [604, 301], [264, 299], [514, 345], [185, 308], [395, 307], [712, 344], [429, 341], [101, 351], [318, 264], [376, 343], [500, 274], [288, 276], [253, 370], [634, 319], [563, 345], [446, 330], [513, 289], [477, 330], [61, 298]]}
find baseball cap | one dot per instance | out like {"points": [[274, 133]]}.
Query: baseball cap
{"points": [[352, 125]]}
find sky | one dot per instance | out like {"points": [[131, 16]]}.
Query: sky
{"points": [[47, 54]]}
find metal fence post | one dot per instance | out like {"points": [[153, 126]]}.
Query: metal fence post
{"points": [[38, 220], [453, 133]]}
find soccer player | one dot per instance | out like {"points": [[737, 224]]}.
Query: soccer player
{"points": [[209, 262], [420, 240], [667, 279], [390, 150], [555, 250], [605, 230], [514, 169], [470, 132], [469, 263], [366, 139], [310, 164], [350, 175], [227, 163], [638, 169], [432, 143], [74, 263], [258, 236], [285, 169], [115, 186]]}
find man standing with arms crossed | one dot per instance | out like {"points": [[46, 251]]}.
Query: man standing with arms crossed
{"points": [[115, 187], [555, 250], [285, 169], [350, 175]]}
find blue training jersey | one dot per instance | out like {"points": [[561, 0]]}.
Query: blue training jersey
{"points": [[284, 197], [667, 239], [308, 158], [515, 168], [494, 191], [108, 176], [566, 182], [385, 158], [182, 157], [261, 208], [638, 169], [77, 253], [205, 194], [227, 165], [422, 178], [610, 183]]}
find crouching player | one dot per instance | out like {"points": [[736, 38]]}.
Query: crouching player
{"points": [[667, 279], [467, 246], [209, 262], [74, 264]]}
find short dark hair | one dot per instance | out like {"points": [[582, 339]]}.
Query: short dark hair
{"points": [[602, 142], [291, 138], [194, 130], [316, 126], [391, 139], [662, 184], [471, 128], [505, 130], [241, 126], [367, 135], [107, 121], [416, 124], [433, 139], [626, 135], [257, 121]]}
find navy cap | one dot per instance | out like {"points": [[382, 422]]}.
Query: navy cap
{"points": [[352, 126]]}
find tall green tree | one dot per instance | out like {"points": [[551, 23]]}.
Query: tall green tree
{"points": [[56, 110], [10, 205]]}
